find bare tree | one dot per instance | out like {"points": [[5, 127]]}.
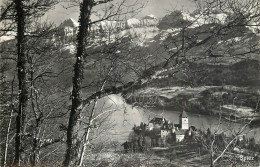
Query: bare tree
{"points": [[85, 11], [7, 103], [73, 146], [221, 141], [17, 16], [46, 100], [21, 60]]}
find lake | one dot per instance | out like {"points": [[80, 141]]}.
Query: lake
{"points": [[126, 116]]}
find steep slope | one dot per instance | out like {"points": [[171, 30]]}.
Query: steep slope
{"points": [[149, 41], [243, 73]]}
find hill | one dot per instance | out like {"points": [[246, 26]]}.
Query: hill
{"points": [[243, 73], [179, 50]]}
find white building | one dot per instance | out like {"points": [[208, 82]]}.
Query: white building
{"points": [[180, 135], [183, 126], [184, 122]]}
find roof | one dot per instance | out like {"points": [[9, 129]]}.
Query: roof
{"points": [[166, 126], [183, 114], [177, 125], [157, 120]]}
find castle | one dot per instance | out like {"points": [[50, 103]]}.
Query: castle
{"points": [[165, 128], [159, 132]]}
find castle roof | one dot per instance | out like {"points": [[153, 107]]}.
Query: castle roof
{"points": [[167, 126], [177, 125], [183, 114], [157, 120]]}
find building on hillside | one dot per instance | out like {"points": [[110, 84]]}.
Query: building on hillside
{"points": [[159, 132], [180, 135], [157, 123], [163, 128], [166, 129], [149, 127]]}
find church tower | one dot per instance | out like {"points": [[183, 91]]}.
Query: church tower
{"points": [[184, 123]]}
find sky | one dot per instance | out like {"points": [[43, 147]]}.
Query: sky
{"points": [[159, 8]]}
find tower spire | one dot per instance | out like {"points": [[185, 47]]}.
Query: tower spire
{"points": [[184, 123]]}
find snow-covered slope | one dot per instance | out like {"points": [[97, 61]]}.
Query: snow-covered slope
{"points": [[144, 29], [6, 38], [147, 21]]}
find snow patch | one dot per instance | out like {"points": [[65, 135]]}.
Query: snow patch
{"points": [[71, 48], [173, 32], [236, 39], [233, 107], [6, 38], [75, 23], [171, 92], [200, 19], [130, 23], [150, 16]]}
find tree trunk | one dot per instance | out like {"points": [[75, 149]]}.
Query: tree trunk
{"points": [[84, 20], [211, 160], [7, 138], [35, 145], [20, 21], [87, 133]]}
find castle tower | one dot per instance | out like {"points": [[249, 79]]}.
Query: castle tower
{"points": [[184, 123]]}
